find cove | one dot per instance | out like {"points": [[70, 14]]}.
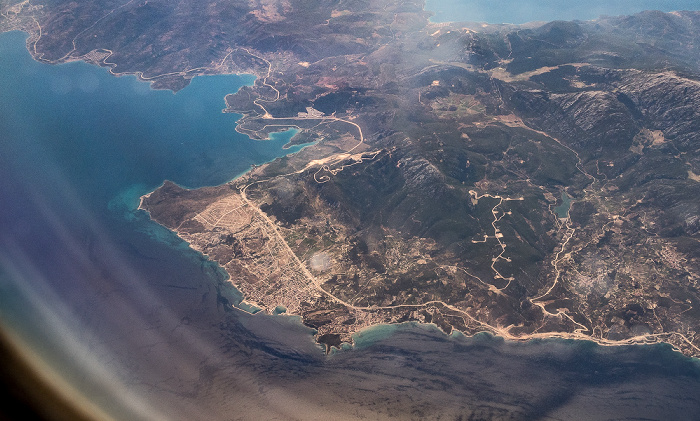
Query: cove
{"points": [[116, 131], [98, 291], [522, 11], [78, 146]]}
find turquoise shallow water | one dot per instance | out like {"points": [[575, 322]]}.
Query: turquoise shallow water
{"points": [[83, 275], [522, 11], [118, 130], [78, 147]]}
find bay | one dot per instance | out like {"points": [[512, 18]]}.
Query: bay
{"points": [[86, 279], [138, 322]]}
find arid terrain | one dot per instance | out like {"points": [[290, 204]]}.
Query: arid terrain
{"points": [[530, 181]]}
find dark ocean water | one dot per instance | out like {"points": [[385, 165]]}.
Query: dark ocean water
{"points": [[522, 11], [132, 317]]}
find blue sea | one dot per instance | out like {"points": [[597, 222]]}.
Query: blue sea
{"points": [[522, 11], [141, 325]]}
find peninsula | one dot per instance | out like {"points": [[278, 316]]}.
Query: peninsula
{"points": [[441, 158]]}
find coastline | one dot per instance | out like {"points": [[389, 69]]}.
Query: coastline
{"points": [[180, 318], [638, 340], [652, 339]]}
